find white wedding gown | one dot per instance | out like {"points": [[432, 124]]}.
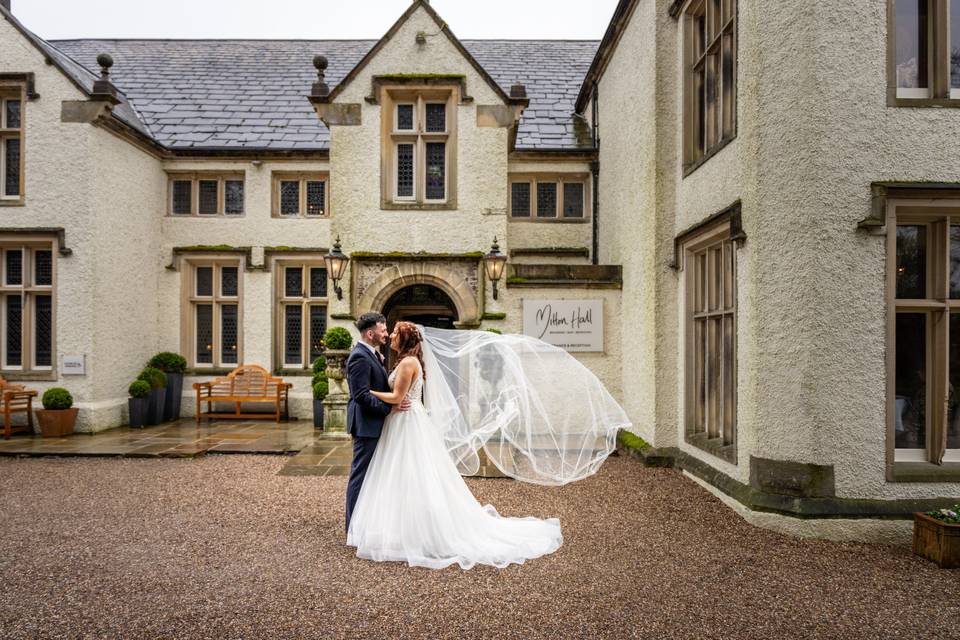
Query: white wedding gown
{"points": [[415, 507]]}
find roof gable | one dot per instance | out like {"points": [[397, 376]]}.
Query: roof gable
{"points": [[443, 28]]}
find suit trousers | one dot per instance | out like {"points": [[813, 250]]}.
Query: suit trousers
{"points": [[363, 449]]}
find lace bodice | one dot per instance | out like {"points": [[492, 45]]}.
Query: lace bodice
{"points": [[416, 387]]}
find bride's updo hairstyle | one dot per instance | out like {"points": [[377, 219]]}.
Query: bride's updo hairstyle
{"points": [[409, 343]]}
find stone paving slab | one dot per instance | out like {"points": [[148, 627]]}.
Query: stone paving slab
{"points": [[183, 438], [328, 455]]}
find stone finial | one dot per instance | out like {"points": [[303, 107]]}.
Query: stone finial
{"points": [[320, 88], [103, 88], [518, 91]]}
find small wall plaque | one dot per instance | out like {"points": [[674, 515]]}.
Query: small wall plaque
{"points": [[73, 366]]}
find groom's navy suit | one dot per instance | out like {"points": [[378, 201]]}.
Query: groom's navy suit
{"points": [[365, 415]]}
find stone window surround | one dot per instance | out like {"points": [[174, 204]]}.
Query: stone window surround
{"points": [[188, 300], [914, 203], [390, 95], [559, 178], [939, 91], [721, 229], [16, 90], [28, 372], [280, 301], [693, 158], [303, 177], [195, 176]]}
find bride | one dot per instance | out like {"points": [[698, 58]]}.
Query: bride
{"points": [[415, 507]]}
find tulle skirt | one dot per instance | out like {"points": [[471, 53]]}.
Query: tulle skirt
{"points": [[414, 507]]}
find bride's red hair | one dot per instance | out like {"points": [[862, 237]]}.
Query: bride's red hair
{"points": [[409, 343]]}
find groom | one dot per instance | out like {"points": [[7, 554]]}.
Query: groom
{"points": [[366, 413]]}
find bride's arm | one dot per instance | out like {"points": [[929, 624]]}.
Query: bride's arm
{"points": [[405, 372]]}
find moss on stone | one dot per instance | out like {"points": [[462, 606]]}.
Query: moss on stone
{"points": [[416, 254], [211, 247], [516, 280], [494, 316], [629, 441], [423, 76]]}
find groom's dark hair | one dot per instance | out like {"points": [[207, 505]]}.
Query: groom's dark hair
{"points": [[369, 320]]}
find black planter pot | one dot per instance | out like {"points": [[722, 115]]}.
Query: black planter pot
{"points": [[155, 408], [318, 414], [138, 411], [173, 396]]}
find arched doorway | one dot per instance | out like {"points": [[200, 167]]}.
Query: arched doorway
{"points": [[423, 304]]}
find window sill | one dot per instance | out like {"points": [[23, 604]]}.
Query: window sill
{"points": [[549, 220], [950, 103], [696, 164], [925, 472], [29, 376], [209, 371], [293, 373], [713, 446], [417, 206], [12, 202]]}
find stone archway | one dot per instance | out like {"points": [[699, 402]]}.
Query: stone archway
{"points": [[376, 281]]}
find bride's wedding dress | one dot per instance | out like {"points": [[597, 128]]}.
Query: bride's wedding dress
{"points": [[415, 507]]}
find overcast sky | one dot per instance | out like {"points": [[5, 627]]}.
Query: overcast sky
{"points": [[307, 19]]}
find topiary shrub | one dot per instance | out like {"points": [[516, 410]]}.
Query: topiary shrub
{"points": [[139, 389], [337, 338], [320, 376], [320, 365], [56, 398], [154, 377], [168, 362], [320, 389]]}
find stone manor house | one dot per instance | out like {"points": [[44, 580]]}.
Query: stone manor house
{"points": [[755, 204]]}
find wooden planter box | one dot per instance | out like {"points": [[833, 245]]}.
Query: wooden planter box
{"points": [[55, 423], [936, 541]]}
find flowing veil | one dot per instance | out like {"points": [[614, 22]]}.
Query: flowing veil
{"points": [[538, 413]]}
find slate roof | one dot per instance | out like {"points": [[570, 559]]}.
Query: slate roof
{"points": [[251, 94]]}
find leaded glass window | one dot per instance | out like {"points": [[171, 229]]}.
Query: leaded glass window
{"points": [[405, 171], [207, 192], [43, 269], [405, 116], [302, 313], [233, 197], [436, 170], [27, 299], [43, 333], [546, 199], [11, 140], [182, 197], [520, 199], [572, 199], [289, 197], [316, 197], [436, 117], [215, 299]]}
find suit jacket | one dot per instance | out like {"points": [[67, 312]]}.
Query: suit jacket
{"points": [[365, 413]]}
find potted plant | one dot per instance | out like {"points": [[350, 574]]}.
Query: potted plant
{"points": [[321, 388], [337, 341], [139, 402], [58, 415], [936, 536], [174, 366], [157, 380]]}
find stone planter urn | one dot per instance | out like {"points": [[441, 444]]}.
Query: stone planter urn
{"points": [[55, 423], [336, 363], [936, 541]]}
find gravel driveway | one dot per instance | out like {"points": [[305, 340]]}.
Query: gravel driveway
{"points": [[223, 547]]}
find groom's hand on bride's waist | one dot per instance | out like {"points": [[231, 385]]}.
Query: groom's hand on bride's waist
{"points": [[403, 406]]}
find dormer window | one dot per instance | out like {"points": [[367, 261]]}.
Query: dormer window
{"points": [[419, 148]]}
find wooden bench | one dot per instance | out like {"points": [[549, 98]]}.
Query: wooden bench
{"points": [[246, 383], [16, 399]]}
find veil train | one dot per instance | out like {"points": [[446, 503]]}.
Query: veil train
{"points": [[538, 413]]}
